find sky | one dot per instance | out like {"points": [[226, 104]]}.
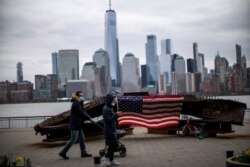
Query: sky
{"points": [[30, 30]]}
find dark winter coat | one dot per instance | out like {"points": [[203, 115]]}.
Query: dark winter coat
{"points": [[110, 119], [77, 115]]}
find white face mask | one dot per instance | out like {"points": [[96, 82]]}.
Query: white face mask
{"points": [[114, 102], [81, 98]]}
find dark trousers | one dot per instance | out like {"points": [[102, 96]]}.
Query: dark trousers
{"points": [[111, 150]]}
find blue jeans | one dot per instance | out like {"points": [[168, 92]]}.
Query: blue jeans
{"points": [[74, 136]]}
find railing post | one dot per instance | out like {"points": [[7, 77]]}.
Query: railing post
{"points": [[9, 122]]}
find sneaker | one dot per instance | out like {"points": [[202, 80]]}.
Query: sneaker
{"points": [[114, 163], [106, 161], [86, 155], [64, 156]]}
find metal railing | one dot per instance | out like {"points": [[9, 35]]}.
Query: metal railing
{"points": [[31, 121], [21, 122]]}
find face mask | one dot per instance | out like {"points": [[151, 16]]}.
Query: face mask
{"points": [[81, 98], [114, 102]]}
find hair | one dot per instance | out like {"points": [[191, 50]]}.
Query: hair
{"points": [[78, 93]]}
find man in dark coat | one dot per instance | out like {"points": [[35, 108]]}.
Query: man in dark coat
{"points": [[110, 120], [77, 117]]}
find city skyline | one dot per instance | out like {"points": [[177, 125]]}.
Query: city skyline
{"points": [[30, 36]]}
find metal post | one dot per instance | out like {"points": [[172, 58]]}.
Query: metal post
{"points": [[9, 122]]}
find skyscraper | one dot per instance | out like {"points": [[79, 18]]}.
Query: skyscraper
{"points": [[200, 62], [165, 58], [152, 59], [101, 59], [88, 71], [144, 75], [179, 65], [238, 54], [111, 46], [68, 66], [195, 51], [91, 72], [190, 65], [54, 63], [130, 74], [19, 67]]}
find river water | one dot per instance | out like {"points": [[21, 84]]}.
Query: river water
{"points": [[51, 109]]}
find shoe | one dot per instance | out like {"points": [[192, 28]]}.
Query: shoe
{"points": [[64, 156], [114, 163], [86, 155], [106, 161]]}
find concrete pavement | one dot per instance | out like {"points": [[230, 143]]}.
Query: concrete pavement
{"points": [[143, 149]]}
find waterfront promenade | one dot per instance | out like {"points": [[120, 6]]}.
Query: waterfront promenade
{"points": [[147, 150]]}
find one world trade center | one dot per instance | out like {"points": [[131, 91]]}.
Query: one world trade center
{"points": [[111, 46]]}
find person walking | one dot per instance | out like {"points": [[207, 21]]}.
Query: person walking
{"points": [[110, 119], [77, 117]]}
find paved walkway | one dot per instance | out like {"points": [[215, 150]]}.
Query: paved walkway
{"points": [[147, 150]]}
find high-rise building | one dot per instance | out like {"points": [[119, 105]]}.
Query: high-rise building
{"points": [[165, 58], [83, 85], [111, 46], [144, 76], [152, 59], [19, 67], [101, 59], [221, 69], [173, 58], [238, 54], [197, 81], [195, 51], [92, 73], [52, 82], [190, 82], [68, 66], [178, 75], [21, 91], [179, 83], [45, 88], [200, 62], [190, 65], [130, 74], [54, 63], [40, 82], [217, 61], [248, 79], [5, 92], [88, 71], [244, 71], [179, 65]]}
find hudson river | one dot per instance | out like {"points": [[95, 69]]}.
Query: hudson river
{"points": [[51, 109]]}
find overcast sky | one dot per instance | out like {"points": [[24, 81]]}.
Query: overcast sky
{"points": [[30, 30]]}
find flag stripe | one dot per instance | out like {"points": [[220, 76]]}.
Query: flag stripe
{"points": [[149, 125], [154, 116], [161, 105], [154, 121], [151, 101], [160, 110]]}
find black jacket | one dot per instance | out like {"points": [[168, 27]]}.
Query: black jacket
{"points": [[110, 120], [77, 115]]}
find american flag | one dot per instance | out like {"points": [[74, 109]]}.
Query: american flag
{"points": [[153, 112]]}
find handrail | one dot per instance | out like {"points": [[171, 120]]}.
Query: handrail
{"points": [[21, 122]]}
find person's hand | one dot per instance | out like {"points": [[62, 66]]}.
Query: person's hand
{"points": [[118, 113]]}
